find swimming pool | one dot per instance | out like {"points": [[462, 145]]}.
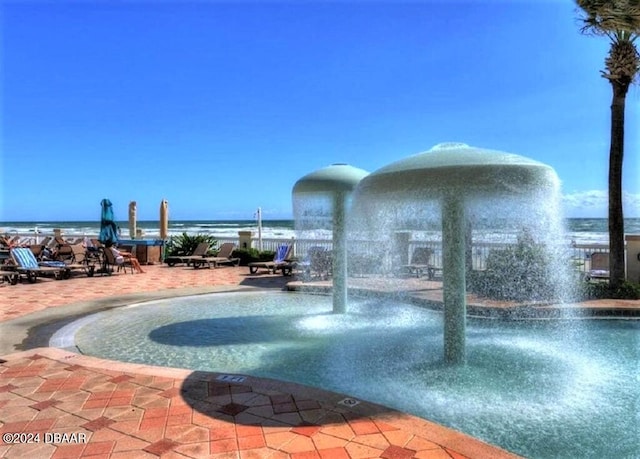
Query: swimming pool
{"points": [[538, 388]]}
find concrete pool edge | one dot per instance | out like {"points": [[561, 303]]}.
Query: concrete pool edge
{"points": [[420, 429], [35, 329], [429, 296]]}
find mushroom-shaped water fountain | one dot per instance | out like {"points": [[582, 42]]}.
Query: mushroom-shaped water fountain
{"points": [[452, 176], [328, 190]]}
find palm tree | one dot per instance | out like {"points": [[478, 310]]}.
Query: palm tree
{"points": [[618, 20]]}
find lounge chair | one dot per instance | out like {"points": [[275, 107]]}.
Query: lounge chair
{"points": [[9, 276], [599, 269], [45, 250], [280, 261], [27, 264], [39, 249], [200, 251], [223, 257], [110, 262], [80, 260], [59, 240], [70, 263], [420, 263], [63, 252], [318, 264], [90, 256]]}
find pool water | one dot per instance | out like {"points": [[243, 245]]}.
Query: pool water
{"points": [[542, 389]]}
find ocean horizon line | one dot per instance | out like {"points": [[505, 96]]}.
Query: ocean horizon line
{"points": [[581, 230], [217, 220]]}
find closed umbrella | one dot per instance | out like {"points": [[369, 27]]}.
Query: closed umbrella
{"points": [[108, 228], [132, 219], [164, 224], [164, 219]]}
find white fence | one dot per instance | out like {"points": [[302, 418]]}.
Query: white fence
{"points": [[578, 254]]}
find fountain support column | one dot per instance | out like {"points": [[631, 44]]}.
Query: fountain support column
{"points": [[454, 282], [339, 267], [335, 182]]}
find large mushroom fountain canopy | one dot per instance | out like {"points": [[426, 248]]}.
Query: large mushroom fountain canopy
{"points": [[461, 169]]}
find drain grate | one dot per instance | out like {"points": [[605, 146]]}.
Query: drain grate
{"points": [[349, 402]]}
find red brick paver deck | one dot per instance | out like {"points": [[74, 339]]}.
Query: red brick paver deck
{"points": [[25, 298], [58, 404]]}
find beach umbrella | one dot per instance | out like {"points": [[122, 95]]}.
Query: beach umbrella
{"points": [[108, 228], [132, 219], [164, 219]]}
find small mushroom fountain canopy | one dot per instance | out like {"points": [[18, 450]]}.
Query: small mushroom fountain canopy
{"points": [[338, 177], [452, 176], [331, 187]]}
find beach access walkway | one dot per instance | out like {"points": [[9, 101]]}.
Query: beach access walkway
{"points": [[58, 404]]}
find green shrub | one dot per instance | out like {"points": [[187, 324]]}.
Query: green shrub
{"points": [[628, 291], [251, 255], [602, 290], [185, 244], [521, 272]]}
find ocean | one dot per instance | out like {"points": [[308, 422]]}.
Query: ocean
{"points": [[578, 230]]}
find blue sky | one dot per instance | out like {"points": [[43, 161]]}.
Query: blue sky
{"points": [[219, 107]]}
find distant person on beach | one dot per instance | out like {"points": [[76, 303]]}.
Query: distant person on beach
{"points": [[120, 256]]}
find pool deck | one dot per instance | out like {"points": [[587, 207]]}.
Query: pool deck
{"points": [[113, 409]]}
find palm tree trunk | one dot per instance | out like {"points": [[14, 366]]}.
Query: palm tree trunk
{"points": [[616, 153]]}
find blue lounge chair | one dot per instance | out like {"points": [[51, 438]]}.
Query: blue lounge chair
{"points": [[280, 261], [27, 264]]}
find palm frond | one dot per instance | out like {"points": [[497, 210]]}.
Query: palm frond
{"points": [[619, 19]]}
